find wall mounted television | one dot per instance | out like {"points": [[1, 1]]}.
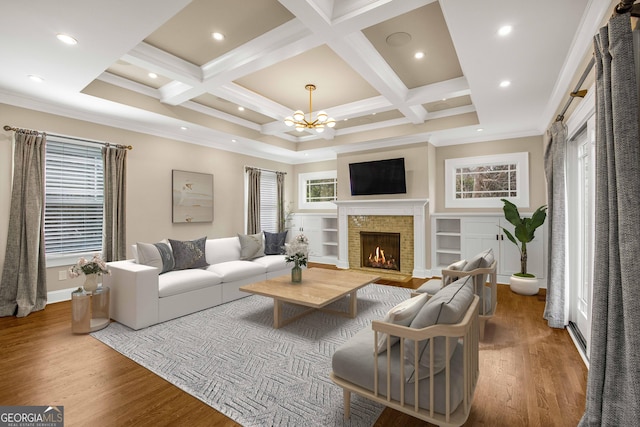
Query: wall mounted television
{"points": [[377, 177]]}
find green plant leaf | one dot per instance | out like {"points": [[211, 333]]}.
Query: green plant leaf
{"points": [[511, 212]]}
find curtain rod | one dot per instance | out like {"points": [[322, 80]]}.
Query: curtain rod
{"points": [[106, 144], [577, 92], [624, 6], [263, 170]]}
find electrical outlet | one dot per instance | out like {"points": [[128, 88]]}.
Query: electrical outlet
{"points": [[62, 275]]}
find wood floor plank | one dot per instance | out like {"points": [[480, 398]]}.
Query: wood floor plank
{"points": [[530, 374]]}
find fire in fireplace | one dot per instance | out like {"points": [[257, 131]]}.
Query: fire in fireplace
{"points": [[380, 250]]}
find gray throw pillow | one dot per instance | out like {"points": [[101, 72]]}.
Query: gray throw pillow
{"points": [[456, 266], [158, 255], [274, 243], [482, 260], [448, 306], [251, 246], [189, 253]]}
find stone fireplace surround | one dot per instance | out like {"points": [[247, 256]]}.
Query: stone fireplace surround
{"points": [[417, 208]]}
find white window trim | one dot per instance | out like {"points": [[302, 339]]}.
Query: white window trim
{"points": [[302, 185], [522, 176]]}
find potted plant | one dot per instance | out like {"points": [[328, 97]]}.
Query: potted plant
{"points": [[523, 282]]}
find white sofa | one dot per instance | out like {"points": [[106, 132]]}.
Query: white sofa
{"points": [[141, 296]]}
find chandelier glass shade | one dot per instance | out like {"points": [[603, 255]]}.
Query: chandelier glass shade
{"points": [[299, 119]]}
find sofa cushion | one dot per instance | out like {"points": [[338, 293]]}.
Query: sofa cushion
{"points": [[189, 253], [447, 306], [251, 246], [222, 250], [271, 262], [231, 271], [402, 314], [274, 243], [158, 255], [180, 281]]}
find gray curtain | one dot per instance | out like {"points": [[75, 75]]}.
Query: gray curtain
{"points": [[253, 212], [613, 385], [557, 308], [280, 186], [23, 287], [114, 236]]}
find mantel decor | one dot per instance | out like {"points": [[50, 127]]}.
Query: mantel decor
{"points": [[192, 197]]}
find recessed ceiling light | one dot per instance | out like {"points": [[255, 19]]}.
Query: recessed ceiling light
{"points": [[35, 78], [234, 140], [66, 39], [240, 108], [479, 130], [153, 75], [217, 36], [505, 83], [504, 30], [183, 128], [418, 55]]}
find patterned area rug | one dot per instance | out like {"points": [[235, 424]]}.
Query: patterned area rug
{"points": [[231, 358]]}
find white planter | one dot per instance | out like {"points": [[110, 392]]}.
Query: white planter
{"points": [[524, 285]]}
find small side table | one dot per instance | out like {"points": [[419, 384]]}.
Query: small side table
{"points": [[90, 311]]}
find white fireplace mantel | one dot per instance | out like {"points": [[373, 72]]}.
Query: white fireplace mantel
{"points": [[417, 208]]}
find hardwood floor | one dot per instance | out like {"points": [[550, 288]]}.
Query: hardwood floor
{"points": [[530, 374]]}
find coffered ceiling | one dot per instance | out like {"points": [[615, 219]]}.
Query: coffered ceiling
{"points": [[233, 94]]}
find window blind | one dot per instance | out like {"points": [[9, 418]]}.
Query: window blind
{"points": [[268, 202], [74, 197]]}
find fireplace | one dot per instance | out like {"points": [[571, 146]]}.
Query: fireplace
{"points": [[407, 216], [380, 250]]}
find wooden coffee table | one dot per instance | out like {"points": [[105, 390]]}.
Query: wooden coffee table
{"points": [[319, 288]]}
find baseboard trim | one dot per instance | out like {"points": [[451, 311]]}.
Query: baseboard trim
{"points": [[59, 295]]}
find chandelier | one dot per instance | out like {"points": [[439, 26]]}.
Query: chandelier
{"points": [[300, 121]]}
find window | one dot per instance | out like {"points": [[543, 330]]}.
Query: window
{"points": [[481, 182], [74, 200], [317, 190], [268, 201]]}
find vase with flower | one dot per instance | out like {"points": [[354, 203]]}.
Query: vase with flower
{"points": [[297, 252], [91, 270]]}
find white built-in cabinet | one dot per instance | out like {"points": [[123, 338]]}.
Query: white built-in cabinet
{"points": [[322, 232], [458, 237]]}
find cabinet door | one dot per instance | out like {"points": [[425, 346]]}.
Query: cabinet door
{"points": [[480, 234], [310, 226]]}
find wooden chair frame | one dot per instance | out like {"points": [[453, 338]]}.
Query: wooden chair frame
{"points": [[466, 330]]}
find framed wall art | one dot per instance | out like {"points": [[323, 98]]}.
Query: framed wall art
{"points": [[192, 196]]}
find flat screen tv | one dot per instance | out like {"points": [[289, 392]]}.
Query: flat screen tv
{"points": [[377, 177]]}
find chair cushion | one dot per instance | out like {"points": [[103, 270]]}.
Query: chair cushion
{"points": [[251, 246], [354, 361], [189, 253], [448, 306], [402, 314], [181, 281], [158, 255], [231, 271], [274, 243], [431, 287]]}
